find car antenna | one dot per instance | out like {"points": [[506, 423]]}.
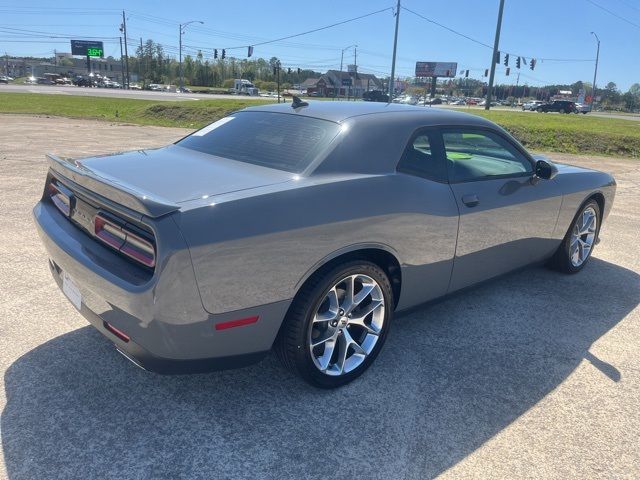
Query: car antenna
{"points": [[297, 103]]}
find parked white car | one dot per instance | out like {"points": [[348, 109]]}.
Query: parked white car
{"points": [[532, 105]]}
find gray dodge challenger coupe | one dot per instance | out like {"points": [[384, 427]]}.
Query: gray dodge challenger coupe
{"points": [[303, 227]]}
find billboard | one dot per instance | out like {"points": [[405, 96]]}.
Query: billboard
{"points": [[436, 69], [87, 48]]}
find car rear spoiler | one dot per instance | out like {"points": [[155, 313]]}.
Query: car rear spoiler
{"points": [[111, 189]]}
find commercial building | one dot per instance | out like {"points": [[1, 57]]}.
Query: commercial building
{"points": [[336, 83]]}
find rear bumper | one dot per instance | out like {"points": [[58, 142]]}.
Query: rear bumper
{"points": [[146, 360], [167, 327]]}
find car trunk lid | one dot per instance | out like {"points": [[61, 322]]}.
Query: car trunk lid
{"points": [[155, 182]]}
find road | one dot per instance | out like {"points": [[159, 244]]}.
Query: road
{"points": [[168, 96], [534, 375], [117, 93], [471, 108]]}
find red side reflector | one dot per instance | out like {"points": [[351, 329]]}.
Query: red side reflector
{"points": [[236, 323], [118, 333]]}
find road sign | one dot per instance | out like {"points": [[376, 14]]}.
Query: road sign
{"points": [[436, 69], [87, 48], [346, 82]]}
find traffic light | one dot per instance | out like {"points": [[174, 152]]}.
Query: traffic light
{"points": [[289, 71], [466, 74], [506, 59], [299, 70], [224, 54], [215, 53], [497, 57], [249, 51], [532, 65], [507, 71], [518, 62], [486, 72]]}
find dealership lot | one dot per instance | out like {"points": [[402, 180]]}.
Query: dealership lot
{"points": [[533, 375]]}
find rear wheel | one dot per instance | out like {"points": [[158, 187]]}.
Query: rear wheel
{"points": [[337, 324], [578, 243]]}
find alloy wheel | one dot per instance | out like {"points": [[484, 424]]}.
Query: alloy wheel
{"points": [[583, 236], [346, 325]]}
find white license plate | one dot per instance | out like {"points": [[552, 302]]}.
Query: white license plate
{"points": [[71, 290]]}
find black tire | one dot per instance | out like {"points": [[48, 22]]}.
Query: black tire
{"points": [[561, 260], [292, 344], [539, 110], [562, 110]]}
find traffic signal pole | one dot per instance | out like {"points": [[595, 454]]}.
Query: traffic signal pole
{"points": [[494, 56]]}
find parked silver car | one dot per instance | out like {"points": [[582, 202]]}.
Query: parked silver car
{"points": [[303, 228], [531, 105]]}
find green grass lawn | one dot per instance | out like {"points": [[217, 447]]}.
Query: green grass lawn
{"points": [[570, 133], [188, 114], [583, 134]]}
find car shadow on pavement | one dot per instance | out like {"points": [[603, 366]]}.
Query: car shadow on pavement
{"points": [[451, 376]]}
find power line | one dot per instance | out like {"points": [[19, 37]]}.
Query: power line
{"points": [[629, 5], [310, 31], [447, 28], [474, 40], [614, 14]]}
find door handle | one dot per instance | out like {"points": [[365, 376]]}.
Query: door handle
{"points": [[470, 200]]}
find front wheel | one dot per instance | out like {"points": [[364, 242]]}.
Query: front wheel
{"points": [[578, 243], [337, 324]]}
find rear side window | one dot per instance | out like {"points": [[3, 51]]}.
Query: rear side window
{"points": [[421, 159], [274, 140]]}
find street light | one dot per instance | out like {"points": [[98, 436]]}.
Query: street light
{"points": [[595, 73], [342, 54], [181, 28], [341, 61]]}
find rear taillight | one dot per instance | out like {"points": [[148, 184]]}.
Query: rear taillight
{"points": [[60, 197], [124, 240]]}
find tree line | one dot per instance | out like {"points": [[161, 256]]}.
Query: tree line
{"points": [[152, 65]]}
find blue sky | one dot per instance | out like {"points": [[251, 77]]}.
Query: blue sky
{"points": [[539, 29]]}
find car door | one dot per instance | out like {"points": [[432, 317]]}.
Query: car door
{"points": [[427, 243], [507, 216]]}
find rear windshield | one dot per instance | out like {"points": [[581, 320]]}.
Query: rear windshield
{"points": [[274, 140]]}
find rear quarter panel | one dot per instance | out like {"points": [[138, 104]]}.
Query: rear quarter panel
{"points": [[256, 249]]}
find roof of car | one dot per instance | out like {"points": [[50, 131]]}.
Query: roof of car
{"points": [[338, 111]]}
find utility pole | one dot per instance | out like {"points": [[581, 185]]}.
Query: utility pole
{"points": [[278, 79], [140, 62], [595, 73], [123, 28], [393, 60], [494, 56], [355, 64], [121, 64]]}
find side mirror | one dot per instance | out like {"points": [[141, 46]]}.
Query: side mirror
{"points": [[545, 170]]}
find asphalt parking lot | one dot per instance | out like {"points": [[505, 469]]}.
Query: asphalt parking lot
{"points": [[534, 375]]}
